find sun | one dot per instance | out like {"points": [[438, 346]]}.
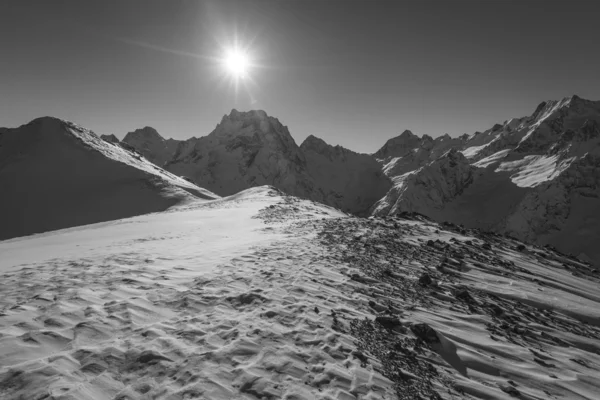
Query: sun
{"points": [[237, 63]]}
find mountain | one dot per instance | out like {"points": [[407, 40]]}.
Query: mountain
{"points": [[262, 295], [249, 149], [246, 149], [348, 180], [55, 174], [493, 180], [148, 142], [110, 139], [535, 178], [409, 152]]}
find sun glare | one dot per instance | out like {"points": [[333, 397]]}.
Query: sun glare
{"points": [[237, 63]]}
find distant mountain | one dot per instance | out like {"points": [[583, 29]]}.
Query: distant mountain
{"points": [[55, 174], [246, 149], [110, 138], [532, 177], [348, 180], [148, 142], [249, 149], [536, 178]]}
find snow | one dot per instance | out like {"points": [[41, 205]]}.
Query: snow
{"points": [[472, 151], [492, 159], [254, 296], [531, 171], [215, 226], [60, 175], [553, 150]]}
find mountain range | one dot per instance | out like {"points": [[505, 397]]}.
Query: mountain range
{"points": [[177, 269], [535, 178]]}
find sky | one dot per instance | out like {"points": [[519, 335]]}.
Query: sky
{"points": [[354, 73]]}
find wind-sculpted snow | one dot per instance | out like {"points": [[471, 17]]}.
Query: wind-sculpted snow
{"points": [[266, 296]]}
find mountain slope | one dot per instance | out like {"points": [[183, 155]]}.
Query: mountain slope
{"points": [[246, 149], [533, 177], [55, 174], [348, 180], [148, 142]]}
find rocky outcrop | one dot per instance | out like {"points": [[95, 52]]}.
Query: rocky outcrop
{"points": [[399, 146]]}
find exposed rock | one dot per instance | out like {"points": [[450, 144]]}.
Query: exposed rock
{"points": [[425, 280], [425, 332], [388, 322]]}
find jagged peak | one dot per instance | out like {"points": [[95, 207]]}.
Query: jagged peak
{"points": [[320, 146], [250, 115], [574, 103], [403, 137], [312, 141], [407, 133], [250, 123], [236, 115]]}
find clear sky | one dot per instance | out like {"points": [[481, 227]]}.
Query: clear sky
{"points": [[354, 73]]}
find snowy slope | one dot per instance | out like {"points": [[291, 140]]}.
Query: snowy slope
{"points": [[262, 295], [533, 177], [55, 174]]}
